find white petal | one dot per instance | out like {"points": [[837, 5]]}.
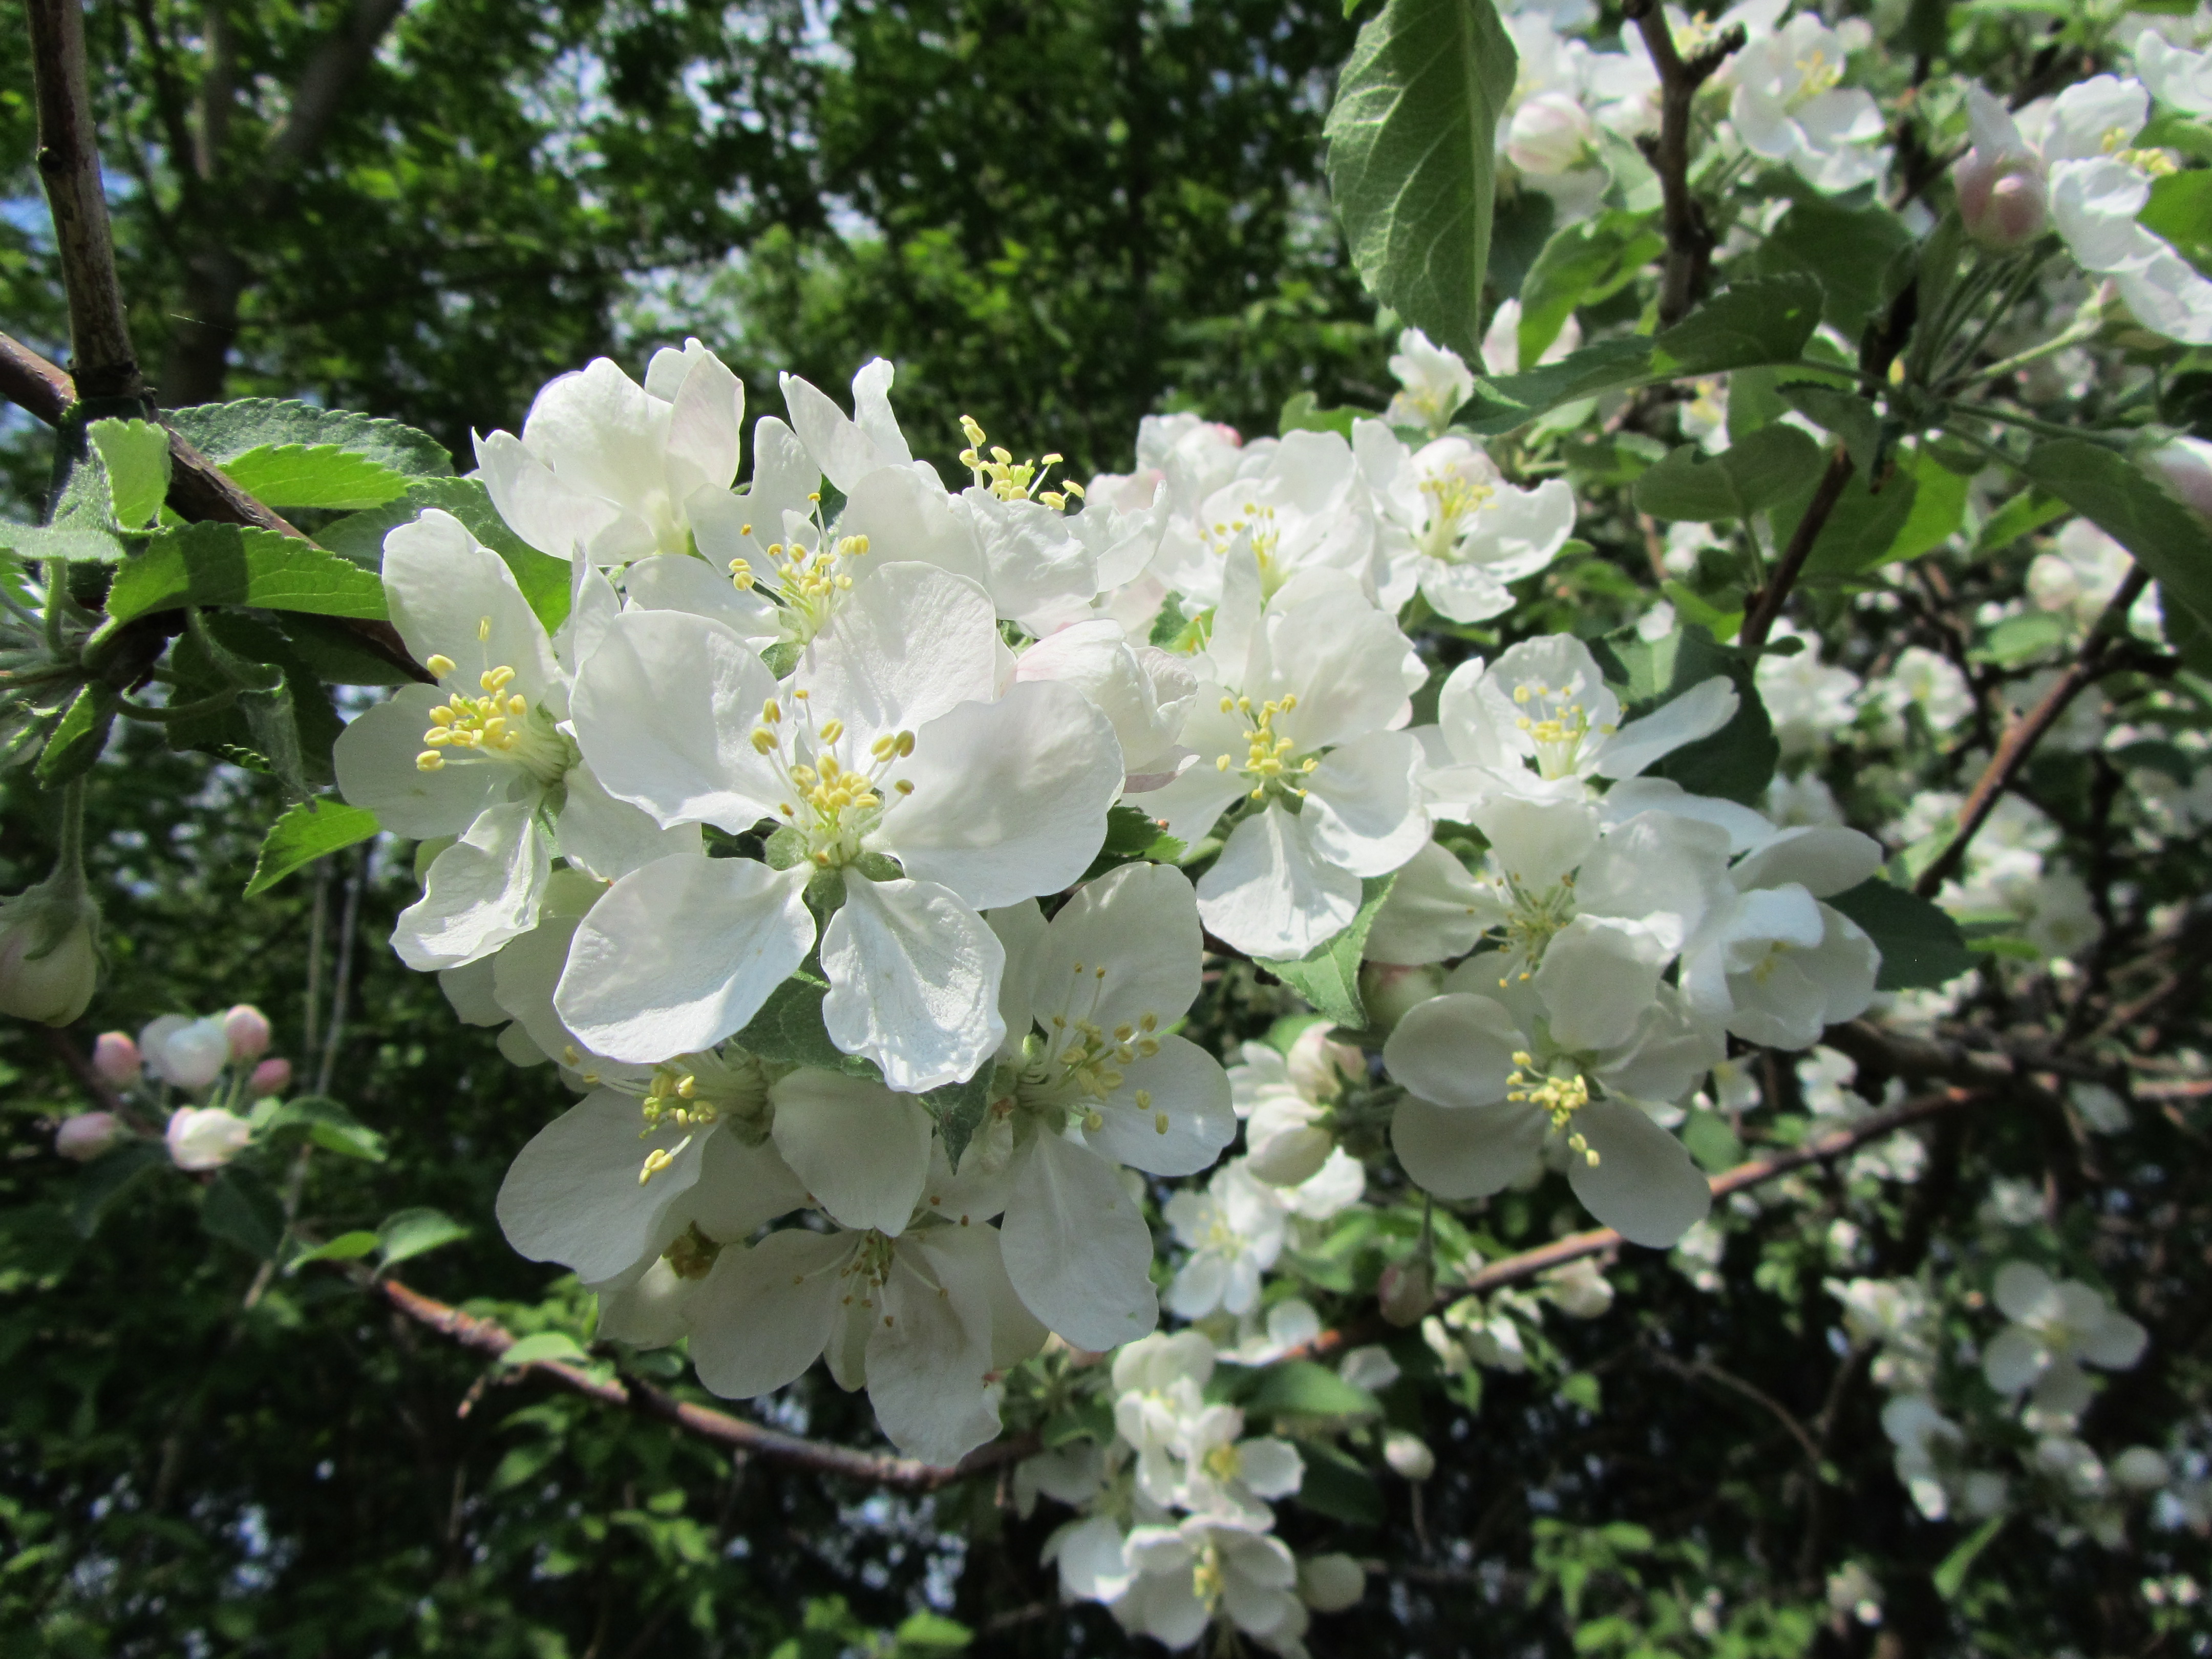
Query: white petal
{"points": [[664, 712], [1436, 910], [2023, 1291], [967, 1260], [863, 668], [1187, 1086], [2116, 1343], [1462, 592], [907, 517], [450, 595], [1824, 859], [1644, 1185], [739, 1189], [1035, 566], [862, 1150], [677, 582], [573, 1195], [608, 838], [2014, 1359], [593, 605], [1349, 667], [929, 1354], [681, 954], [913, 982], [1271, 1467], [765, 1313], [536, 505], [1364, 812], [1140, 923], [1697, 713], [1021, 930], [1077, 1249], [1009, 798], [704, 427], [1456, 1050], [481, 892], [1270, 895], [1538, 842], [1598, 976], [601, 433], [375, 761], [841, 449], [1466, 1152]]}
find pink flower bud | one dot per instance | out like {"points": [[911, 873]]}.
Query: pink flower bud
{"points": [[206, 1137], [270, 1077], [247, 1028], [2186, 465], [2002, 197], [115, 1057], [88, 1134], [1406, 1290]]}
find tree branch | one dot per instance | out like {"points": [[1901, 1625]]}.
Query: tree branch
{"points": [[486, 1336], [1689, 239], [69, 167], [2020, 739], [1767, 603], [330, 75]]}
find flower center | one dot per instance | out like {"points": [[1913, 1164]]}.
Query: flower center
{"points": [[1225, 1463], [807, 580], [1533, 918], [1208, 1579], [1555, 724], [498, 724], [1257, 523], [1816, 74], [1081, 1062], [1453, 500], [833, 804], [692, 1255], [1010, 480], [1266, 756], [1557, 1098], [2155, 162]]}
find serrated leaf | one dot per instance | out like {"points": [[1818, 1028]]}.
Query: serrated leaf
{"points": [[1922, 948], [959, 1110], [314, 475], [242, 1209], [788, 1030], [1412, 141], [1747, 477], [1845, 413], [75, 541], [77, 742], [543, 579], [136, 454], [408, 1233], [2023, 515], [1327, 976], [282, 722], [2135, 510], [330, 1125], [224, 431], [212, 564], [107, 1177], [306, 833]]}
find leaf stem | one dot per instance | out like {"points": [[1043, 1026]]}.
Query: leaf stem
{"points": [[1766, 607]]}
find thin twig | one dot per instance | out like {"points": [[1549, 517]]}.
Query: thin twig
{"points": [[1689, 239], [1768, 607], [342, 973], [69, 167], [2020, 739], [1780, 1412]]}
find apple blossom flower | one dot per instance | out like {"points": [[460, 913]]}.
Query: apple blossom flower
{"points": [[1204, 1566], [1295, 503], [2057, 1327], [1144, 692], [896, 772], [1228, 1477], [1451, 526], [1433, 381], [206, 1137], [1234, 1228], [2174, 74], [184, 1053], [270, 1077], [1788, 106], [84, 1136]]}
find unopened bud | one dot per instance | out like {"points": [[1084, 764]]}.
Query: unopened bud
{"points": [[1390, 993], [1320, 1068], [185, 1054], [2186, 465], [1286, 1153], [1406, 1290], [270, 1077], [1409, 1455], [2002, 197], [87, 1135], [115, 1057], [49, 950], [1550, 134], [247, 1028], [1330, 1584], [206, 1137]]}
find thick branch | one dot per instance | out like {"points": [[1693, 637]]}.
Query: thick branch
{"points": [[69, 166], [905, 1473], [2020, 740], [1766, 606], [330, 75], [1689, 240]]}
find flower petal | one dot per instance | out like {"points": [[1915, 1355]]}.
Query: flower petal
{"points": [[677, 582], [1697, 713], [607, 838], [765, 1314], [1138, 923], [1184, 1085], [1269, 895], [862, 1150], [450, 595], [481, 891], [681, 954], [864, 669], [928, 1359], [1364, 810], [573, 1195], [1644, 1185], [1077, 1249], [375, 761], [1466, 1152], [2014, 1359], [1455, 1051], [913, 982], [1436, 910]]}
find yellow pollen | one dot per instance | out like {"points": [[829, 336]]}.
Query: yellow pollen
{"points": [[439, 665]]}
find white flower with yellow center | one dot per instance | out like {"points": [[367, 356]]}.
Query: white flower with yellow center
{"points": [[484, 757], [1208, 1568], [1145, 691], [2058, 1326], [1433, 381], [1295, 504], [887, 769], [1790, 106], [1540, 722], [1490, 1078], [1234, 1228], [1291, 729], [1452, 528], [610, 470], [1229, 1477]]}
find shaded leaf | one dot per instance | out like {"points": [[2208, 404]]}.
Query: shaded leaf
{"points": [[107, 1177], [1327, 976], [1767, 467], [242, 1209], [225, 432], [330, 1125], [1922, 948], [213, 564], [1735, 762], [2135, 510], [306, 833], [408, 1233]]}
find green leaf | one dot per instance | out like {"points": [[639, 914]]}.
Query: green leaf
{"points": [[314, 475], [408, 1233], [346, 1247], [107, 1177], [136, 454], [543, 580], [1711, 1142], [1084, 1418], [1735, 762], [2023, 515], [2021, 639], [1582, 1388], [1846, 250], [2180, 210], [226, 432], [1582, 265], [557, 1346], [1754, 322], [334, 654], [306, 833], [1747, 477], [930, 1632], [1922, 948], [1843, 412], [788, 1029], [282, 723], [80, 541], [1950, 1575], [77, 742], [1327, 976], [1132, 833], [211, 564], [959, 1110], [330, 1125], [1336, 1486], [1303, 413], [2134, 509], [1412, 142], [1920, 507], [242, 1209], [1305, 1388]]}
